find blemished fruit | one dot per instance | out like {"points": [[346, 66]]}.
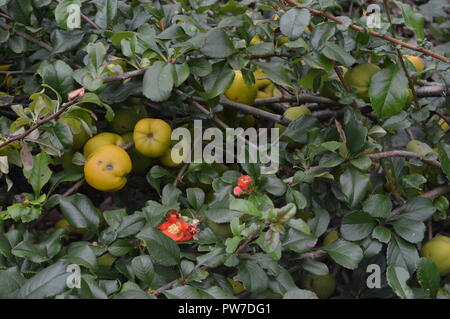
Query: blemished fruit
{"points": [[438, 250], [418, 147], [99, 140], [331, 237], [80, 136], [237, 286], [240, 92], [64, 224], [359, 78], [417, 62], [139, 162], [323, 286], [126, 118], [107, 167], [152, 137], [292, 114]]}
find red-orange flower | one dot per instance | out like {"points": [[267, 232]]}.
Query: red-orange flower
{"points": [[176, 228], [244, 181]]}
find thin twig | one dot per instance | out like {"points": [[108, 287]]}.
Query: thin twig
{"points": [[400, 57], [27, 37], [55, 115], [372, 33], [400, 153]]}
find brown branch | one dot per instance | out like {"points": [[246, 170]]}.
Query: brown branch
{"points": [[432, 91], [400, 57], [27, 37], [304, 98], [373, 33], [124, 76], [35, 126], [431, 195], [74, 187], [269, 55], [254, 111], [399, 153]]}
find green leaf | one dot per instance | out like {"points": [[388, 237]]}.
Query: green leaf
{"points": [[363, 163], [397, 278], [355, 132], [402, 254], [106, 13], [418, 209], [81, 253], [345, 253], [338, 53], [143, 268], [413, 19], [444, 157], [298, 130], [297, 198], [428, 276], [10, 282], [48, 282], [64, 134], [388, 91], [357, 225], [244, 206], [57, 75], [158, 81], [40, 173], [195, 197], [294, 22], [382, 234], [162, 249], [410, 230], [217, 44], [354, 185], [252, 276], [413, 181], [79, 211], [378, 205], [218, 81]]}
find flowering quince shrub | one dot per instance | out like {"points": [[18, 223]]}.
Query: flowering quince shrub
{"points": [[355, 207]]}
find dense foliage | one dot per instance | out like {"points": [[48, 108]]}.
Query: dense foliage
{"points": [[364, 163]]}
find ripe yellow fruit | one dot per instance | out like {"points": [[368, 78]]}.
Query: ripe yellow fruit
{"points": [[359, 78], [331, 237], [261, 79], [240, 92], [139, 162], [152, 137], [438, 250], [443, 124], [417, 62], [101, 139], [292, 114], [419, 147], [126, 118], [107, 167], [80, 136], [323, 286], [64, 224]]}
